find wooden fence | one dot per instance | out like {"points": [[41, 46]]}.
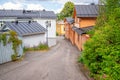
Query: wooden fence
{"points": [[7, 51]]}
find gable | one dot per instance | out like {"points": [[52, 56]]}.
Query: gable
{"points": [[86, 10]]}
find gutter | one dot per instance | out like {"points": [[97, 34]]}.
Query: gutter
{"points": [[30, 34]]}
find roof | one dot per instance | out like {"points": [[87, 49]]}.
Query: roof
{"points": [[20, 14], [70, 20], [83, 30], [74, 27], [86, 10], [25, 28]]}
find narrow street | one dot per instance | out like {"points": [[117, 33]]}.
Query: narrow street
{"points": [[60, 63]]}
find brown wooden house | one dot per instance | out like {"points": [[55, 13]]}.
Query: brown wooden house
{"points": [[68, 26], [84, 19], [85, 15]]}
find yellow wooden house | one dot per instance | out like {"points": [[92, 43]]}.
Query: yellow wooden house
{"points": [[60, 28]]}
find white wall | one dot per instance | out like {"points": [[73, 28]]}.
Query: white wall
{"points": [[51, 30], [15, 19], [9, 19], [33, 40], [51, 42], [6, 52]]}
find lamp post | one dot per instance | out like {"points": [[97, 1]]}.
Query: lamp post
{"points": [[46, 23]]}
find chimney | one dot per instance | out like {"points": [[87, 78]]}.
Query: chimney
{"points": [[92, 3], [44, 10], [29, 21], [23, 11], [16, 22]]}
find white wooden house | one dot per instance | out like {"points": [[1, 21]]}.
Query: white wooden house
{"points": [[24, 23]]}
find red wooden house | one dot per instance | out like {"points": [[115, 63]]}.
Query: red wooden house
{"points": [[84, 19]]}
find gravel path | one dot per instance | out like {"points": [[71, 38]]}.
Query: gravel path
{"points": [[60, 63]]}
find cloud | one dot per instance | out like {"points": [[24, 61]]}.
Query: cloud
{"points": [[18, 1], [10, 5], [34, 7], [76, 1], [62, 1]]}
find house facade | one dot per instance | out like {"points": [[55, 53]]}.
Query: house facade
{"points": [[84, 17], [60, 28], [33, 16], [68, 23]]}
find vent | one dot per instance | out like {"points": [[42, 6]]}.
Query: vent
{"points": [[29, 22], [16, 22], [23, 11], [92, 3]]}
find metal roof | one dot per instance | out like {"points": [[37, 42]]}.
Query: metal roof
{"points": [[28, 14], [74, 27], [25, 28], [86, 10], [83, 30], [70, 20]]}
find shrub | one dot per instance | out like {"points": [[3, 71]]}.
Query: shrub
{"points": [[14, 57], [57, 34], [102, 52], [43, 47], [36, 48]]}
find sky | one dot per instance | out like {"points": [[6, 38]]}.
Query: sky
{"points": [[51, 5]]}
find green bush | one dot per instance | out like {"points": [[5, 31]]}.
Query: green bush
{"points": [[43, 47], [102, 52], [57, 34], [36, 48], [14, 57]]}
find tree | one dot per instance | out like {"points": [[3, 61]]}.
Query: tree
{"points": [[67, 11], [102, 51]]}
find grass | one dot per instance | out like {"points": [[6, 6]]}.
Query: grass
{"points": [[40, 47]]}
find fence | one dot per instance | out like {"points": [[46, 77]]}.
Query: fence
{"points": [[6, 52]]}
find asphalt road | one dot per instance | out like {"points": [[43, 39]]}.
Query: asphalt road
{"points": [[59, 63]]}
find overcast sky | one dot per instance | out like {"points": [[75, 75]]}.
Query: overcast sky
{"points": [[54, 5]]}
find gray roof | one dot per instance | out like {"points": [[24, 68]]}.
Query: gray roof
{"points": [[74, 27], [28, 14], [83, 30], [70, 20], [86, 10], [26, 28]]}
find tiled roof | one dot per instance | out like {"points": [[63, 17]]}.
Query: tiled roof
{"points": [[86, 10], [27, 14], [83, 30], [26, 28], [70, 20]]}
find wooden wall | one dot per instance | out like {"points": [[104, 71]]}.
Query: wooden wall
{"points": [[7, 51]]}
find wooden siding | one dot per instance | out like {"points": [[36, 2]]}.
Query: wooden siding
{"points": [[72, 37], [7, 51], [67, 30], [85, 37], [60, 29], [80, 22], [85, 22]]}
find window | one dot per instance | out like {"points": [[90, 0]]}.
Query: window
{"points": [[48, 23]]}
